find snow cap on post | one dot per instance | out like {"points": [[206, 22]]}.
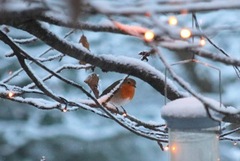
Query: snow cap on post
{"points": [[189, 113]]}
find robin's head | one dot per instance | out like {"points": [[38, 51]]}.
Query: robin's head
{"points": [[129, 82], [127, 89]]}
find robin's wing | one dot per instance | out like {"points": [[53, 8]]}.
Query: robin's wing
{"points": [[107, 90]]}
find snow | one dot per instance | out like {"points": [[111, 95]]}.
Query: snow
{"points": [[147, 101], [156, 8], [141, 66], [179, 44], [189, 107], [81, 47], [19, 6], [25, 41], [38, 102]]}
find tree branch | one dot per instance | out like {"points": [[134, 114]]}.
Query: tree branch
{"points": [[79, 25], [142, 9], [131, 124], [228, 116], [109, 63], [20, 11]]}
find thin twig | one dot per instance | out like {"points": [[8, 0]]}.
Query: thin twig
{"points": [[25, 41], [237, 70], [230, 132], [186, 86], [16, 73], [60, 69]]}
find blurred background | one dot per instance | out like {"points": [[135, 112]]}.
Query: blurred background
{"points": [[30, 134]]}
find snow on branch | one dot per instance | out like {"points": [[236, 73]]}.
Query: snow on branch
{"points": [[60, 69], [148, 7], [14, 74], [225, 114], [165, 37], [22, 55], [169, 43], [216, 57], [183, 46], [64, 21], [143, 129], [38, 102], [131, 124], [109, 63], [120, 64], [15, 93], [25, 41], [20, 10]]}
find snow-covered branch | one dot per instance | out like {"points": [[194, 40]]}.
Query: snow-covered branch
{"points": [[106, 62], [65, 22], [131, 124], [20, 10], [155, 7], [110, 63]]}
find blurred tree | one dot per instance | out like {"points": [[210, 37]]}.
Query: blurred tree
{"points": [[53, 49]]}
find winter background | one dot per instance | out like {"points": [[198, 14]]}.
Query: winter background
{"points": [[28, 134]]}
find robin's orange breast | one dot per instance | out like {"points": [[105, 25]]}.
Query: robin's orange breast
{"points": [[127, 91], [124, 94]]}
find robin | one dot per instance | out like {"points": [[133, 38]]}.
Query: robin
{"points": [[122, 95]]}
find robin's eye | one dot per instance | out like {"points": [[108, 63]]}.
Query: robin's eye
{"points": [[129, 82]]}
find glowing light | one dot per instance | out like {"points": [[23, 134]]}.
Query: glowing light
{"points": [[202, 42], [185, 33], [172, 20], [10, 94], [64, 110], [124, 114], [173, 148], [166, 148], [149, 36]]}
